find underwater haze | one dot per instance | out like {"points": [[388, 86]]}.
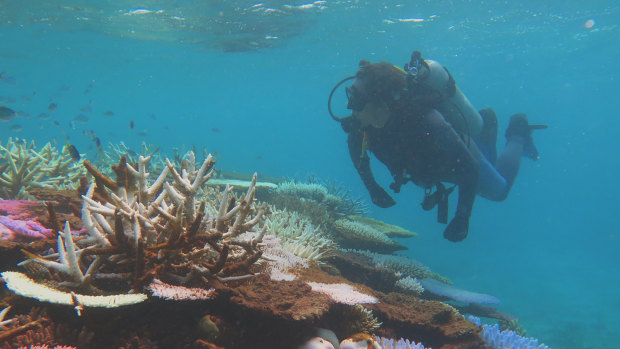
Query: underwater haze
{"points": [[249, 82]]}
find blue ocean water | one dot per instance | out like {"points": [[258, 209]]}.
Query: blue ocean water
{"points": [[250, 81]]}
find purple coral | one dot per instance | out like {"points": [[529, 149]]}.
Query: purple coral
{"points": [[17, 221], [496, 339], [387, 343], [15, 229]]}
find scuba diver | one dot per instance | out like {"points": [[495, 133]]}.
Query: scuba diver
{"points": [[420, 125]]}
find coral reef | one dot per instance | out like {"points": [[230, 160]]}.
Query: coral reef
{"points": [[25, 168], [391, 231], [37, 330], [335, 198], [201, 267], [19, 230], [494, 338], [357, 235], [388, 343], [453, 293], [299, 235], [401, 265], [145, 231], [409, 285], [342, 293]]}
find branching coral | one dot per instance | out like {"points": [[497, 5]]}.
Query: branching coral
{"points": [[26, 168], [140, 230]]}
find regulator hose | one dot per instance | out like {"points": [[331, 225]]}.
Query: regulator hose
{"points": [[329, 101]]}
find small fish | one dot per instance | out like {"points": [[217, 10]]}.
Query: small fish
{"points": [[108, 113], [22, 114], [81, 118], [258, 157], [56, 123], [215, 130], [131, 125], [142, 133], [86, 109], [16, 128], [44, 116], [8, 79], [7, 114], [72, 124], [152, 117], [52, 107], [98, 142], [72, 150]]}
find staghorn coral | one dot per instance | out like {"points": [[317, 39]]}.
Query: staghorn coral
{"points": [[158, 230], [26, 168], [115, 152]]}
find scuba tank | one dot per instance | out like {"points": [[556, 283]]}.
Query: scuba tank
{"points": [[453, 105]]}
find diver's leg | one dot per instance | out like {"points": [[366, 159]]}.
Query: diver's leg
{"points": [[491, 184], [452, 162], [487, 139], [518, 136]]}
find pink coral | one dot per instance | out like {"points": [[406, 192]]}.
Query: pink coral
{"points": [[342, 293], [179, 293], [44, 346], [19, 209], [17, 221]]}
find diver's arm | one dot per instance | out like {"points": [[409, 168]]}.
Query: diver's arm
{"points": [[361, 161]]}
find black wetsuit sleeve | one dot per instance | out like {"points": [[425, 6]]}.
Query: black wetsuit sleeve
{"points": [[361, 161]]}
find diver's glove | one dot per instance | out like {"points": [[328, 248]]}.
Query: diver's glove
{"points": [[457, 229], [381, 198], [520, 127]]}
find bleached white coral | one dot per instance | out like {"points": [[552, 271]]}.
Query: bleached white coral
{"points": [[159, 228], [24, 286], [343, 293], [26, 168]]}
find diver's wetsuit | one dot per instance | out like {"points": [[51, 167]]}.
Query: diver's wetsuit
{"points": [[424, 148]]}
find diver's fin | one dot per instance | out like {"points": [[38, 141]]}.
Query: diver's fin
{"points": [[519, 126]]}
